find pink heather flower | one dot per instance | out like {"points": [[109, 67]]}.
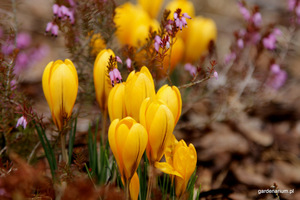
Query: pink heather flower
{"points": [[255, 37], [298, 10], [244, 11], [55, 9], [240, 43], [115, 76], [157, 42], [269, 42], [49, 27], [257, 19], [230, 57], [23, 40], [291, 4], [128, 63], [54, 30], [277, 77], [216, 75], [22, 122], [64, 11], [72, 3], [7, 48], [190, 68], [119, 59]]}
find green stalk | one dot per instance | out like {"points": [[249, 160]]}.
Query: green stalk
{"points": [[63, 147], [127, 191], [104, 118], [71, 140]]}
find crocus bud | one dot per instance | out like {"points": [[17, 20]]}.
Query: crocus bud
{"points": [[151, 7], [139, 86], [128, 140], [200, 32], [60, 85], [116, 102], [172, 98], [101, 78], [182, 165], [158, 120]]}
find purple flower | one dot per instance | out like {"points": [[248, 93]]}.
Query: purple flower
{"points": [[7, 48], [257, 19], [157, 42], [119, 59], [23, 40], [22, 122], [230, 57], [128, 63], [291, 5], [216, 75], [269, 42], [54, 30], [244, 11], [277, 77], [55, 9], [115, 76], [240, 43], [190, 68]]}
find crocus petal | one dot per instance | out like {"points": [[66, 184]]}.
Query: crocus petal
{"points": [[134, 187]]}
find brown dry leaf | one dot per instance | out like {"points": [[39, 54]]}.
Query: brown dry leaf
{"points": [[246, 174], [286, 172], [204, 179], [250, 128], [221, 140]]}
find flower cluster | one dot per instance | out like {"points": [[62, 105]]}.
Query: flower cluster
{"points": [[277, 77], [61, 13], [294, 7]]}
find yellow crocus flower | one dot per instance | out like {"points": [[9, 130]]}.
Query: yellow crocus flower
{"points": [[172, 98], [128, 140], [185, 6], [133, 24], [182, 164], [60, 86], [139, 86], [101, 78], [199, 33], [134, 187], [116, 102], [97, 44], [151, 7], [158, 120]]}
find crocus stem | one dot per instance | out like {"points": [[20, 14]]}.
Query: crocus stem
{"points": [[63, 147], [104, 118], [127, 191], [150, 182]]}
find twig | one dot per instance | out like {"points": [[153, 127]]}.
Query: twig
{"points": [[194, 83]]}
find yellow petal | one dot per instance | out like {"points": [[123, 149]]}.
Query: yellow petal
{"points": [[199, 33], [116, 102], [63, 85], [172, 98], [166, 168], [134, 147], [134, 187], [45, 83], [138, 87], [101, 79], [151, 7], [160, 132]]}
